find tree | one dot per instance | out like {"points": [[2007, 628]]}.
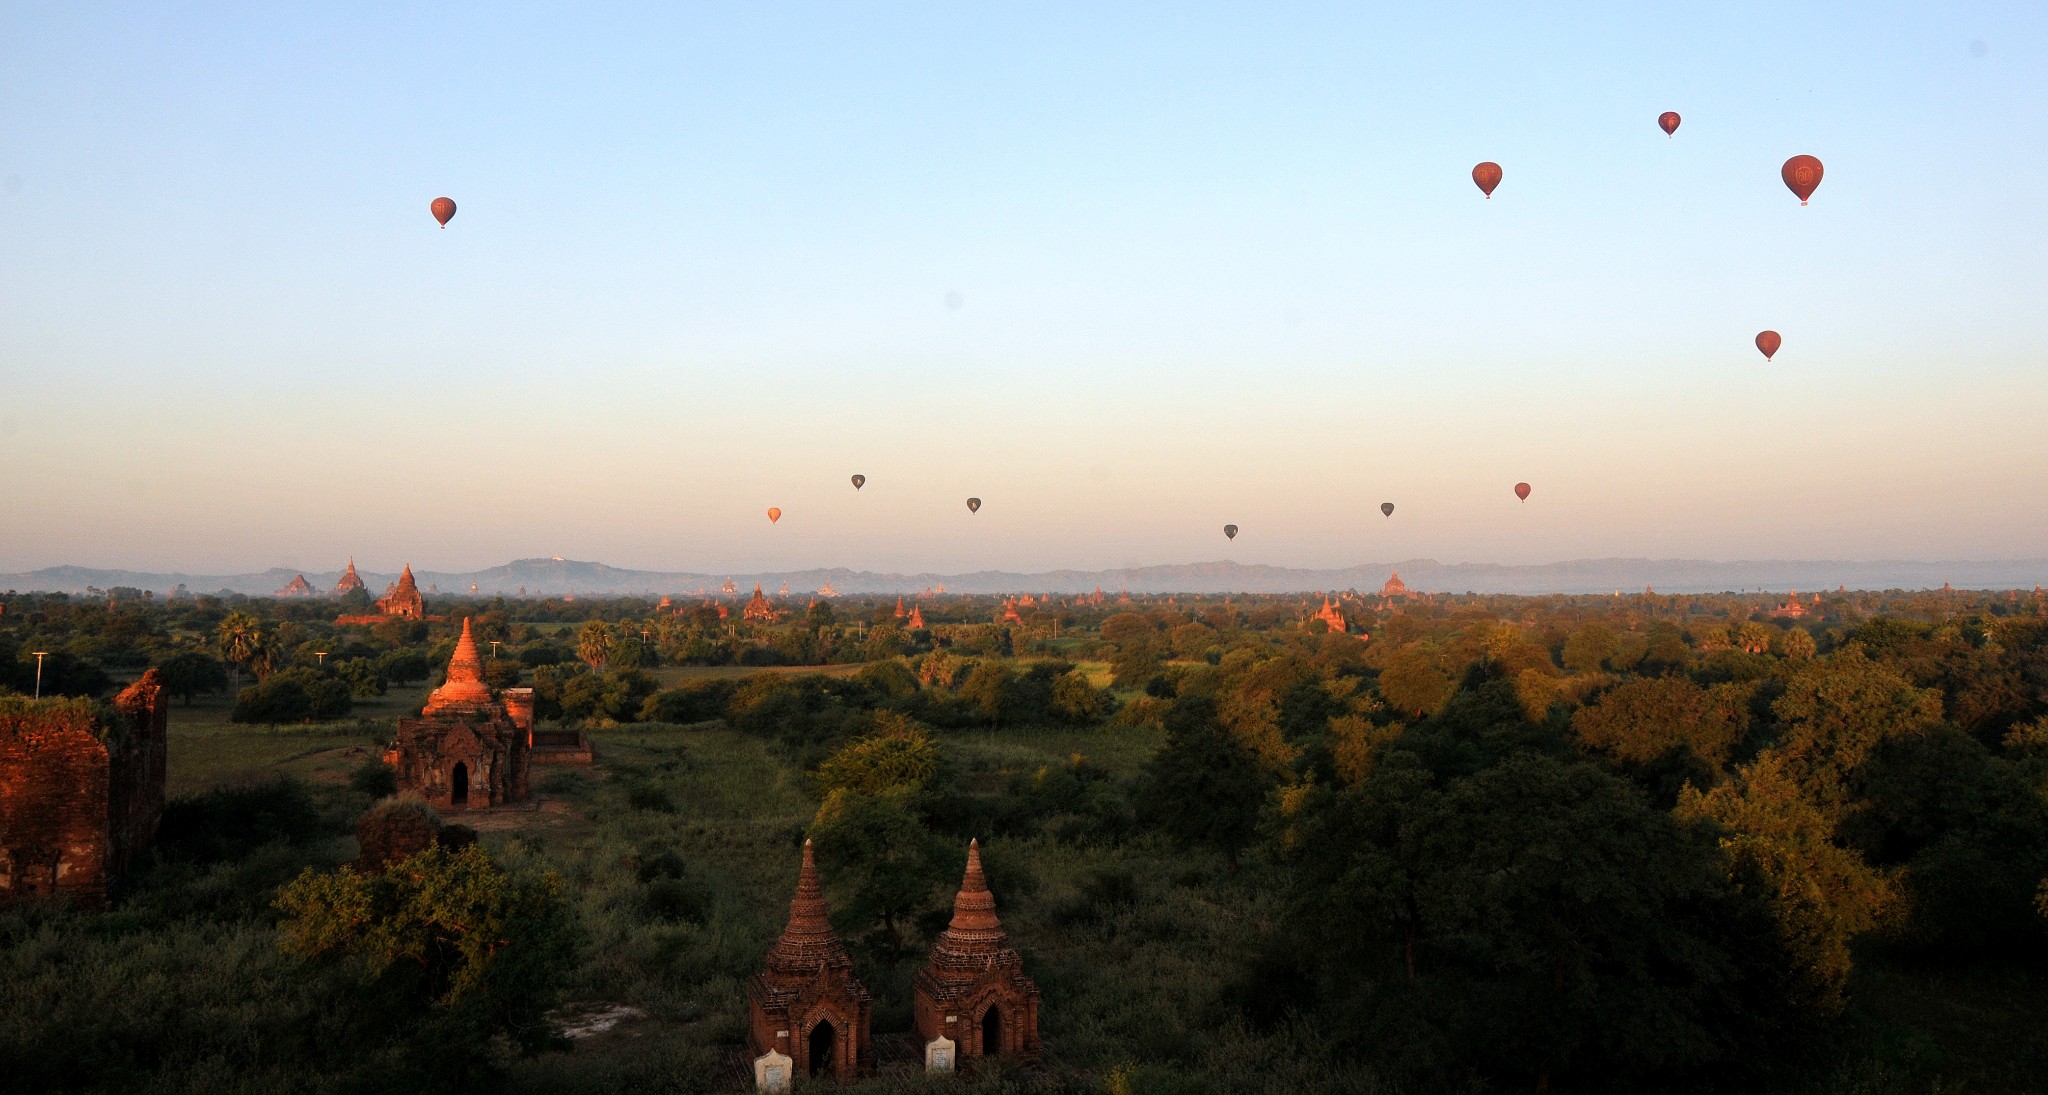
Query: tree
{"points": [[364, 681], [459, 951], [191, 672], [1835, 712], [1138, 659], [594, 643], [1778, 845], [1589, 647], [1535, 919], [294, 695], [1665, 731], [1412, 683], [241, 640], [897, 756], [1205, 786], [1794, 644], [877, 848]]}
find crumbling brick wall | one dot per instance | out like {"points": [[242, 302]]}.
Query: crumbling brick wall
{"points": [[135, 772], [81, 790]]}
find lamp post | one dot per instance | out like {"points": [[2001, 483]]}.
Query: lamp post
{"points": [[494, 648], [40, 654], [322, 655]]}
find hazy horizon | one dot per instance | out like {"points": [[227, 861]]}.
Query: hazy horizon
{"points": [[1125, 278]]}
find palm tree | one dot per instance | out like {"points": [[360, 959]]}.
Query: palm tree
{"points": [[595, 644], [241, 641]]}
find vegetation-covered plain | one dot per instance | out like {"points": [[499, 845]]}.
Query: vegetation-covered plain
{"points": [[1681, 843]]}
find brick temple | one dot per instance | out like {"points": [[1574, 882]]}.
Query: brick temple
{"points": [[972, 998], [468, 749], [808, 1015]]}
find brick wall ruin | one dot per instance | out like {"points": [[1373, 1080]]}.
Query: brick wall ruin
{"points": [[81, 790]]}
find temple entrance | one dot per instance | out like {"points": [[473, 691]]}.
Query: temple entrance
{"points": [[991, 1032], [458, 784], [824, 1040]]}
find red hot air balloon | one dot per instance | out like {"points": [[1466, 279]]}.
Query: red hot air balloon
{"points": [[774, 514], [1387, 508], [1230, 532], [1768, 342], [1487, 175], [444, 210], [974, 505], [1802, 175], [1668, 121], [859, 481], [1522, 491]]}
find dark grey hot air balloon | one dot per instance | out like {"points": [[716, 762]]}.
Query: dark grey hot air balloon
{"points": [[1230, 532], [974, 505], [1387, 508], [859, 481]]}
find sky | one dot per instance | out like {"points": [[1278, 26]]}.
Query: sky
{"points": [[1126, 272]]}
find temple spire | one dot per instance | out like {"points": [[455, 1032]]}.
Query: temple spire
{"points": [[465, 685], [974, 909], [809, 939]]}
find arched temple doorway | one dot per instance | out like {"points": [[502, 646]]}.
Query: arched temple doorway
{"points": [[991, 1031], [824, 1040], [458, 784]]}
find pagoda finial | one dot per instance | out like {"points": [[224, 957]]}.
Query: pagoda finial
{"points": [[974, 910]]}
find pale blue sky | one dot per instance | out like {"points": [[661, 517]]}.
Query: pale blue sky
{"points": [[1213, 264]]}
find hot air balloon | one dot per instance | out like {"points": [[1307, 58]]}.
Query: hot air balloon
{"points": [[1768, 342], [444, 210], [1802, 175], [1487, 175], [974, 505], [1230, 532], [1522, 491], [859, 481], [1387, 508], [1668, 121], [774, 514]]}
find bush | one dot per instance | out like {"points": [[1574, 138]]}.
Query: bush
{"points": [[696, 703], [230, 822], [295, 695], [374, 778]]}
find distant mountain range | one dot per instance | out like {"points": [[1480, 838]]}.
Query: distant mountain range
{"points": [[553, 577]]}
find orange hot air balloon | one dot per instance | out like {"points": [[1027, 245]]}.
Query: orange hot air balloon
{"points": [[1487, 175], [1668, 121], [1230, 532], [1387, 508], [1802, 175], [444, 210], [859, 481], [974, 505], [1522, 491], [774, 514], [1768, 342]]}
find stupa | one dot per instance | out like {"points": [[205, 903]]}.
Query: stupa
{"points": [[808, 1015], [972, 998]]}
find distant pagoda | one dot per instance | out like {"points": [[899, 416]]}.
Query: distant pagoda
{"points": [[350, 581]]}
